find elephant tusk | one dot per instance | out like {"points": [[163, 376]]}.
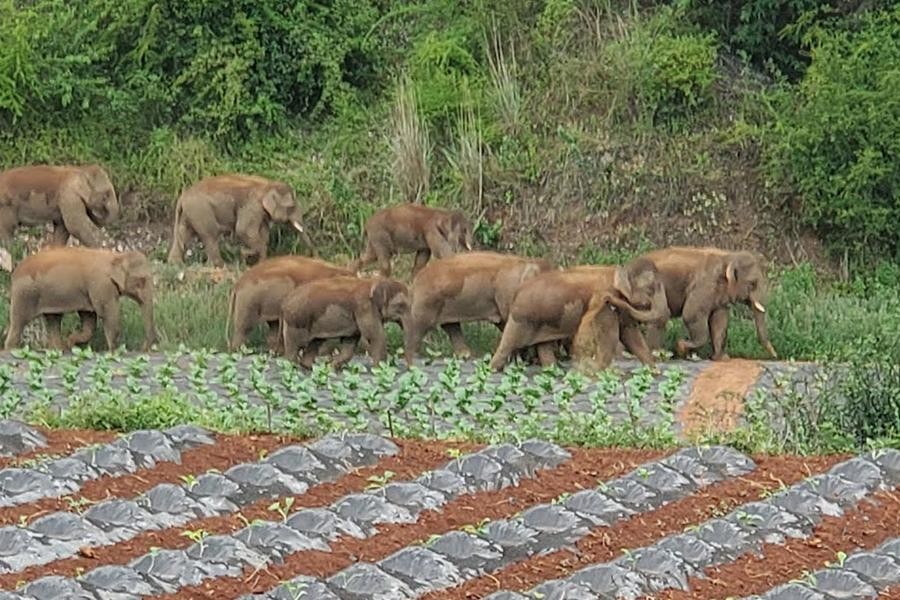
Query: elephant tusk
{"points": [[468, 246], [297, 226], [759, 306]]}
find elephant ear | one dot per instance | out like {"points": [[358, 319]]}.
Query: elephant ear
{"points": [[118, 272], [622, 283], [269, 200], [444, 225]]}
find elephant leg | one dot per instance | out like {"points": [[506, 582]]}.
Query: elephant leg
{"points": [[346, 351], [253, 234], [211, 245], [698, 330], [88, 326], [310, 352], [655, 335], [634, 342], [437, 243], [422, 257], [111, 315], [547, 353], [17, 322], [460, 348], [514, 338], [53, 323], [8, 223], [181, 240], [60, 236], [274, 341], [718, 328]]}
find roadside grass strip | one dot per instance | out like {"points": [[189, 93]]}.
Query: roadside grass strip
{"points": [[669, 564], [261, 543], [859, 575], [18, 438], [448, 560], [63, 476], [289, 471]]}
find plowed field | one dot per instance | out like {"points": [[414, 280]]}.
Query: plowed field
{"points": [[184, 513]]}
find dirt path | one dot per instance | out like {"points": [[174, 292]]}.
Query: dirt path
{"points": [[716, 401]]}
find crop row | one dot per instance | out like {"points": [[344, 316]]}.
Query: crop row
{"points": [[232, 391]]}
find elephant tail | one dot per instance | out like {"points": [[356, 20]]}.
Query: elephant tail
{"points": [[176, 253], [230, 317]]}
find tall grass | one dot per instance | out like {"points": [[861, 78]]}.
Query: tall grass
{"points": [[502, 67], [409, 144], [466, 160]]}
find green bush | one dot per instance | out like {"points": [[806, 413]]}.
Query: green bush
{"points": [[836, 138], [666, 74]]}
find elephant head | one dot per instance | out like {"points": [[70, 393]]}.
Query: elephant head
{"points": [[391, 299], [101, 200], [133, 277], [638, 283], [745, 281], [456, 229], [280, 204]]}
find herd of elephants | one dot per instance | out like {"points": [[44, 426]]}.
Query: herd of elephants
{"points": [[314, 308]]}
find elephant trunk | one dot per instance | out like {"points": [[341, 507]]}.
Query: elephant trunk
{"points": [[298, 225], [112, 208], [762, 330], [657, 313]]}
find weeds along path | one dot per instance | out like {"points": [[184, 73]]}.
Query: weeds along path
{"points": [[582, 471], [408, 458], [219, 452], [605, 543]]}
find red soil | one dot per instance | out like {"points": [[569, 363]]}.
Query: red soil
{"points": [[414, 458], [587, 469], [226, 452], [864, 528], [604, 544], [60, 442]]}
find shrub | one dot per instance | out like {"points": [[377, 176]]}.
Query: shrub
{"points": [[836, 139]]}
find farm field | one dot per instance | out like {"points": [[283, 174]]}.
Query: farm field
{"points": [[183, 512]]}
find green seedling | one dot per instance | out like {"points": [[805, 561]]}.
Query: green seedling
{"points": [[189, 481], [195, 535], [282, 507], [454, 453], [379, 481]]}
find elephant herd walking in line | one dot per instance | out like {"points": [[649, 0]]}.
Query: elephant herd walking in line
{"points": [[311, 306]]}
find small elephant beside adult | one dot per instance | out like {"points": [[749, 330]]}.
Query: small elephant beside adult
{"points": [[473, 286], [428, 231], [77, 200], [242, 205], [342, 308], [701, 285], [258, 293], [60, 280], [596, 306]]}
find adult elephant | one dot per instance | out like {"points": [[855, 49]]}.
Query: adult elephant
{"points": [[259, 292], [344, 309], [425, 230], [75, 199], [56, 281], [549, 309], [474, 286], [241, 205], [701, 285]]}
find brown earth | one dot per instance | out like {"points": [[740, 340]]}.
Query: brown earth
{"points": [[227, 451], [60, 442], [586, 469], [874, 521], [414, 458], [604, 544], [716, 401]]}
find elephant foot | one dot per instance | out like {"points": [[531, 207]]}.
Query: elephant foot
{"points": [[681, 349], [463, 354], [771, 350], [723, 356]]}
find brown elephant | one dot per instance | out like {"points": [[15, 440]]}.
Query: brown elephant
{"points": [[55, 281], [345, 309], [701, 284], [425, 230], [76, 199], [474, 286], [259, 291], [242, 205], [549, 308]]}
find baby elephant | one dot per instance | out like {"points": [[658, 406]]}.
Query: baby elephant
{"points": [[61, 280], [425, 230], [243, 205], [345, 308]]}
